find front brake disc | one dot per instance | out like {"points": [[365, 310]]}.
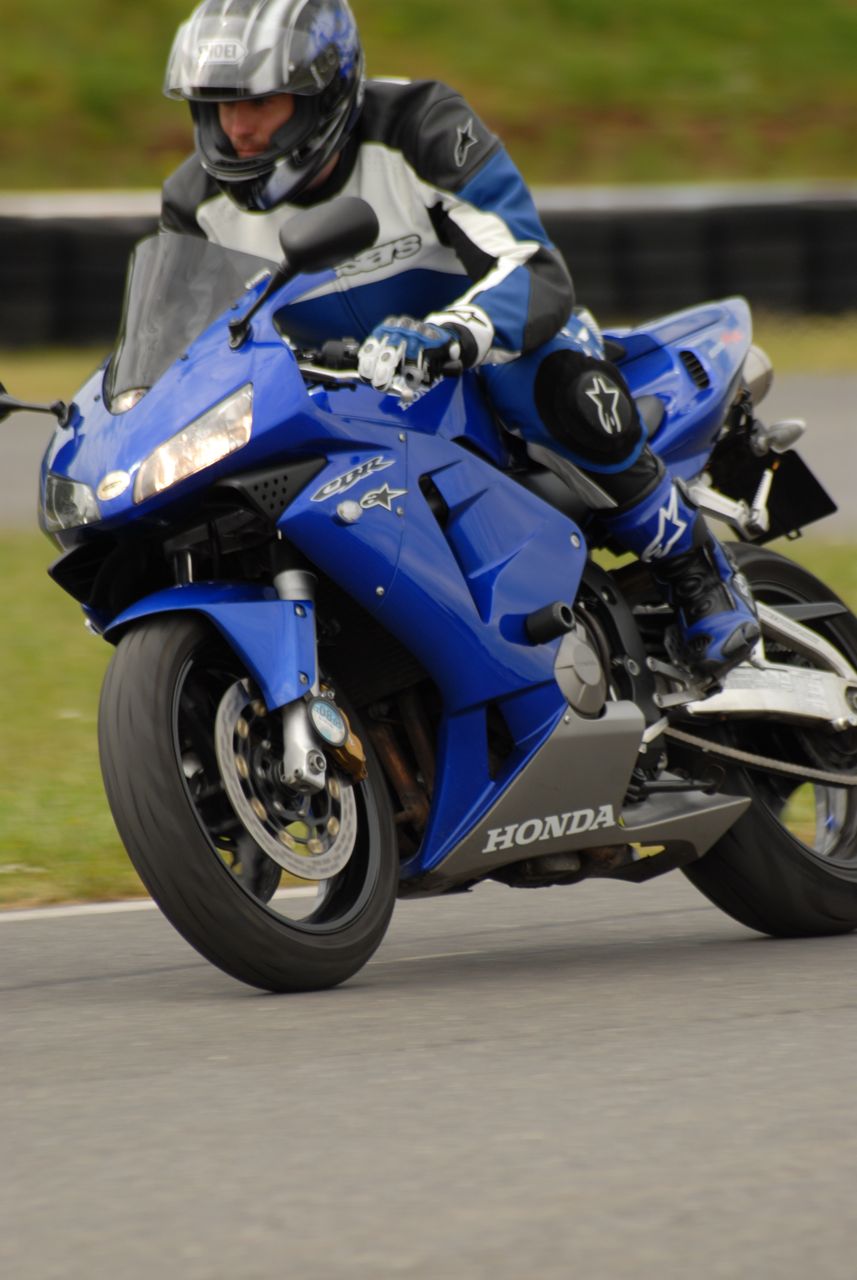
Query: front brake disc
{"points": [[310, 835]]}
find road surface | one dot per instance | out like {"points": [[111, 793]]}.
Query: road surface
{"points": [[610, 1081]]}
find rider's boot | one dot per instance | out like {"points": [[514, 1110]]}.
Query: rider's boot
{"points": [[716, 619]]}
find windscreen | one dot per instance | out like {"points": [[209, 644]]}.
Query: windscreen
{"points": [[177, 285]]}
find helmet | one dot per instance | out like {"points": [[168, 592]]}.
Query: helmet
{"points": [[234, 49]]}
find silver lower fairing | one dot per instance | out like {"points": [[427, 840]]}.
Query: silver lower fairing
{"points": [[571, 796]]}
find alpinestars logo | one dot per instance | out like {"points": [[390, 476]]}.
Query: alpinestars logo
{"points": [[605, 395], [381, 256], [670, 528], [555, 825], [465, 140], [383, 497]]}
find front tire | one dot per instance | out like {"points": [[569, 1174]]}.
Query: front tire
{"points": [[157, 724], [788, 868]]}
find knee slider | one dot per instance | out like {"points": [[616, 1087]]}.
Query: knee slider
{"points": [[587, 407]]}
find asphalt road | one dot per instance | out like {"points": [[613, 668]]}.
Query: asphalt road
{"points": [[607, 1081], [828, 404]]}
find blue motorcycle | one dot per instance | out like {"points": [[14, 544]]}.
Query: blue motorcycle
{"points": [[363, 648]]}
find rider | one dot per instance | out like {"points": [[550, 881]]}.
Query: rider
{"points": [[462, 270]]}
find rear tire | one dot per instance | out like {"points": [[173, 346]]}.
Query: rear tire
{"points": [[779, 870], [157, 713]]}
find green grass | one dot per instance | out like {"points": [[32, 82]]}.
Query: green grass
{"points": [[630, 91], [32, 373], [808, 344], [57, 839]]}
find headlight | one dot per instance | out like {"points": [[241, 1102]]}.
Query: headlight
{"points": [[219, 432], [67, 504]]}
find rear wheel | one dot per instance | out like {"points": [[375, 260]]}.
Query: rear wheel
{"points": [[286, 890], [789, 866]]}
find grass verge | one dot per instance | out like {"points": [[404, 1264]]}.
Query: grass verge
{"points": [[57, 839], [605, 93]]}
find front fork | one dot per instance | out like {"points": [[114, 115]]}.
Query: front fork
{"points": [[304, 764], [314, 721]]}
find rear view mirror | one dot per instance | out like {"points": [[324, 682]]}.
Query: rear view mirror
{"points": [[9, 405], [316, 239]]}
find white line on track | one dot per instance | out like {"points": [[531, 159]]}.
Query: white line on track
{"points": [[110, 908], [432, 955]]}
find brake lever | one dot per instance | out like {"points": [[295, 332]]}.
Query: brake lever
{"points": [[407, 387], [413, 380]]}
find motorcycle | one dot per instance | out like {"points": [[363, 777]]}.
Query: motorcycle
{"points": [[371, 645]]}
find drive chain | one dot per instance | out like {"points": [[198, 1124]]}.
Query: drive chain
{"points": [[804, 772]]}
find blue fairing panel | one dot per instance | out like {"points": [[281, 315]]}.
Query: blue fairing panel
{"points": [[273, 639], [715, 338]]}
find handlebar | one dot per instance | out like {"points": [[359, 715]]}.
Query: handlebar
{"points": [[340, 356]]}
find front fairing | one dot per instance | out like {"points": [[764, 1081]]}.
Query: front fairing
{"points": [[177, 357], [97, 443], [290, 415]]}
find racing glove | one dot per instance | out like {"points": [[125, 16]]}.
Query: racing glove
{"points": [[404, 354]]}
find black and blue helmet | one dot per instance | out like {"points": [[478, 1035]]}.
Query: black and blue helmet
{"points": [[235, 49]]}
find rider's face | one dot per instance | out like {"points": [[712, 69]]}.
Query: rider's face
{"points": [[251, 123]]}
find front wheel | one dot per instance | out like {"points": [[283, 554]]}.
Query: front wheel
{"points": [[203, 842], [788, 868]]}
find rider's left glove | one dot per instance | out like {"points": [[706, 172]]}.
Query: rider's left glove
{"points": [[416, 350]]}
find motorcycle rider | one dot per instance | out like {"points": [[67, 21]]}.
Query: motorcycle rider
{"points": [[462, 272]]}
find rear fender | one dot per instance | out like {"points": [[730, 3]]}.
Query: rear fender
{"points": [[274, 638]]}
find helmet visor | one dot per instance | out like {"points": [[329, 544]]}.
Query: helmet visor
{"points": [[254, 48]]}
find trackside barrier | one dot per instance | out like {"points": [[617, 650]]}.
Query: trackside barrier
{"points": [[633, 252]]}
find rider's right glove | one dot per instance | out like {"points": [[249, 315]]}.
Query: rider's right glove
{"points": [[414, 350]]}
